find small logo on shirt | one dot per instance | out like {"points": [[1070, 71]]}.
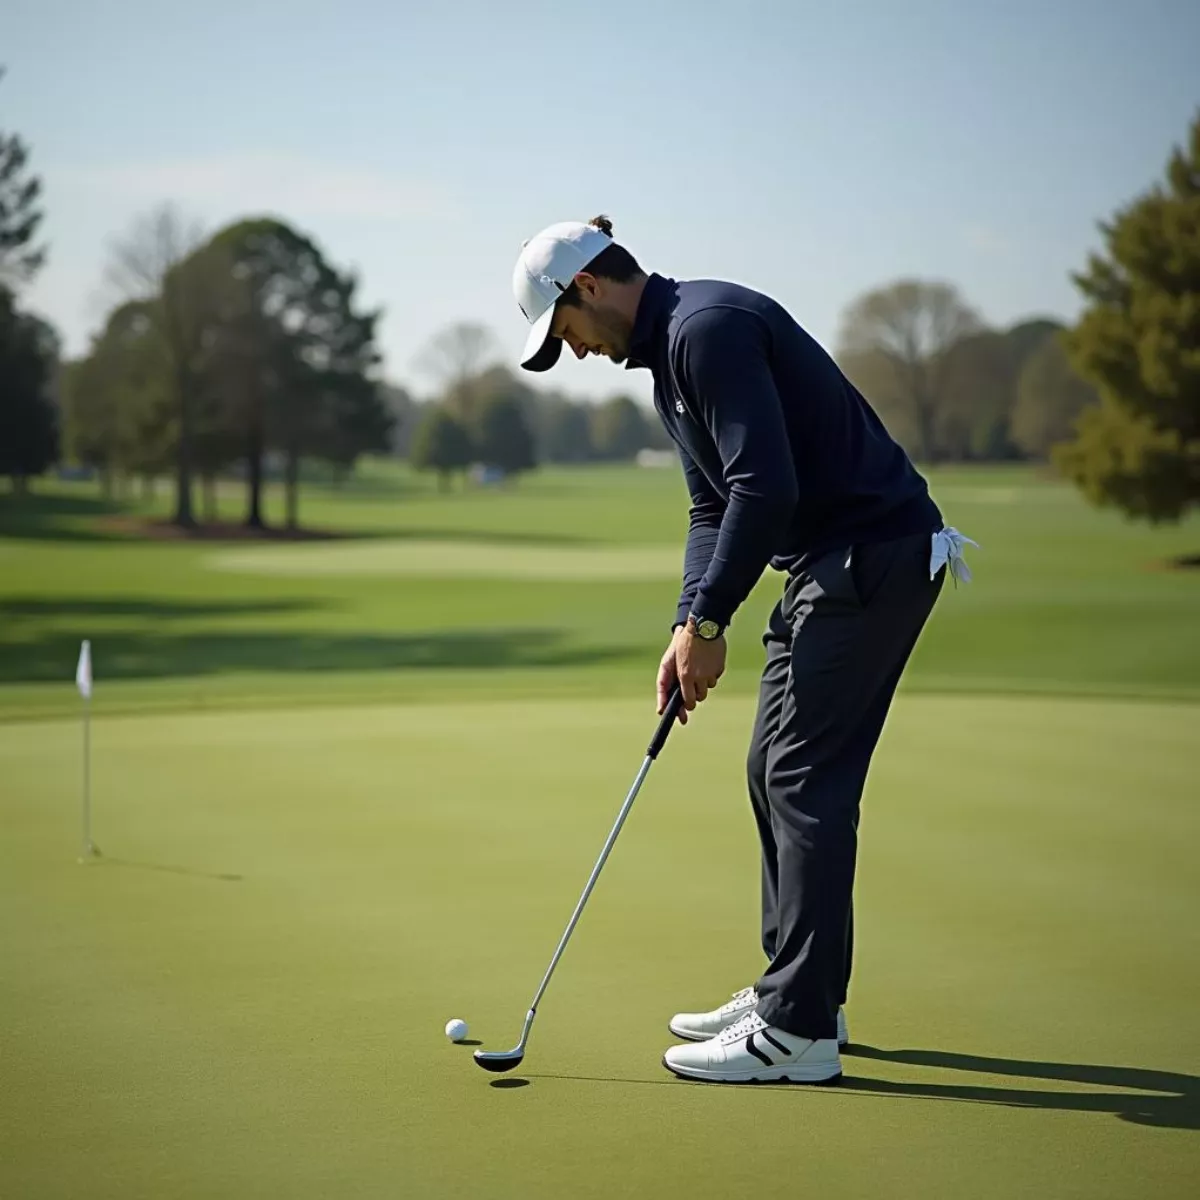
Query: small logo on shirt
{"points": [[679, 406]]}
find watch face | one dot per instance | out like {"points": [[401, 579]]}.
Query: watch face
{"points": [[708, 629]]}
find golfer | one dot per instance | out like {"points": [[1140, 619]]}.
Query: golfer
{"points": [[788, 466]]}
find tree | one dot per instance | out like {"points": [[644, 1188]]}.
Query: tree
{"points": [[295, 355], [28, 417], [20, 215], [216, 438], [978, 376], [441, 444], [28, 346], [505, 439], [618, 429], [1027, 337], [980, 373], [357, 420], [894, 342], [244, 366], [657, 437], [334, 347], [1138, 344], [404, 411], [155, 261], [1050, 397], [119, 410], [566, 432], [456, 357]]}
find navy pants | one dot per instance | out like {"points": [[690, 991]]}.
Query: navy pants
{"points": [[836, 645]]}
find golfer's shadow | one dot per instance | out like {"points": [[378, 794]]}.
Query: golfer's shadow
{"points": [[1168, 1099], [1164, 1098]]}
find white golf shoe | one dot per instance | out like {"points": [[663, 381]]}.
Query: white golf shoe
{"points": [[699, 1027], [751, 1051]]}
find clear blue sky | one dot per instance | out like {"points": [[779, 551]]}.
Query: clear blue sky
{"points": [[812, 150]]}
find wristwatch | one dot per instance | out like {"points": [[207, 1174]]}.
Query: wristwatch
{"points": [[703, 628]]}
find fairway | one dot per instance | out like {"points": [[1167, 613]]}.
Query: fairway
{"points": [[456, 560], [246, 996], [351, 787], [565, 584]]}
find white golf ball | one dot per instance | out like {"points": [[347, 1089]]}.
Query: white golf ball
{"points": [[456, 1030]]}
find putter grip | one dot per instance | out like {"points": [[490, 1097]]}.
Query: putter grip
{"points": [[670, 713]]}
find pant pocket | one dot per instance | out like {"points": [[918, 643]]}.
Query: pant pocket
{"points": [[834, 574], [878, 568]]}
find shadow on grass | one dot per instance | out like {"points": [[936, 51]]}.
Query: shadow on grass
{"points": [[58, 517], [65, 518], [1166, 1099], [153, 654], [158, 529], [44, 607]]}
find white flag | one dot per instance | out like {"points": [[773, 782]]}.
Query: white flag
{"points": [[83, 672]]}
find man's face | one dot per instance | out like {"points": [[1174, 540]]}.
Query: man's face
{"points": [[595, 325]]}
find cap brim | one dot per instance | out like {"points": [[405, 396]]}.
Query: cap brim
{"points": [[541, 348]]}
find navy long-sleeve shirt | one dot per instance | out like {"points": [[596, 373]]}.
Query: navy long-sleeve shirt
{"points": [[784, 458]]}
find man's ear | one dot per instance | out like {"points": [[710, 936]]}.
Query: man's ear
{"points": [[587, 284]]}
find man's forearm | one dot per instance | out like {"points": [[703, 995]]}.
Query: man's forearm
{"points": [[704, 526], [747, 539], [704, 530]]}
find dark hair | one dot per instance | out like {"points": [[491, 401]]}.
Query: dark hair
{"points": [[613, 262]]}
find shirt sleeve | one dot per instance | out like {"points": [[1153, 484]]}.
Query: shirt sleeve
{"points": [[724, 366], [704, 524]]}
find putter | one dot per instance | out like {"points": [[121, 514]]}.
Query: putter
{"points": [[506, 1060]]}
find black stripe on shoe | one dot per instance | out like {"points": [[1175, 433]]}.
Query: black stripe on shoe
{"points": [[762, 1058], [778, 1045]]}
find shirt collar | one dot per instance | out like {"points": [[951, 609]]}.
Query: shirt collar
{"points": [[653, 308]]}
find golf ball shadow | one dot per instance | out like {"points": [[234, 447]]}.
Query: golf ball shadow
{"points": [[509, 1083]]}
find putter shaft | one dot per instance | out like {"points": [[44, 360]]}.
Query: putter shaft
{"points": [[514, 1056]]}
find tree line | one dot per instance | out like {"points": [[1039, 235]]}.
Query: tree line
{"points": [[953, 390], [948, 387], [247, 351], [482, 414]]}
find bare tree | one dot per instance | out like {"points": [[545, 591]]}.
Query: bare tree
{"points": [[456, 357], [149, 263], [898, 337]]}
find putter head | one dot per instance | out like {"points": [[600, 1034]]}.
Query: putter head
{"points": [[499, 1060]]}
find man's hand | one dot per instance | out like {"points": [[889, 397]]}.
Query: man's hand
{"points": [[695, 664]]}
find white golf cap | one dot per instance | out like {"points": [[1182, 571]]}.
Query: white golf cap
{"points": [[549, 261]]}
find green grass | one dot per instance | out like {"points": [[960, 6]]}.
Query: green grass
{"points": [[348, 789], [570, 579], [247, 995]]}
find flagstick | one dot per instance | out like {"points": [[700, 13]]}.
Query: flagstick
{"points": [[87, 779], [83, 679]]}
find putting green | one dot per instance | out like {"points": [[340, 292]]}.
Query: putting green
{"points": [[455, 560], [246, 995]]}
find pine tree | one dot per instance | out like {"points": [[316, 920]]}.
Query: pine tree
{"points": [[1138, 344]]}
